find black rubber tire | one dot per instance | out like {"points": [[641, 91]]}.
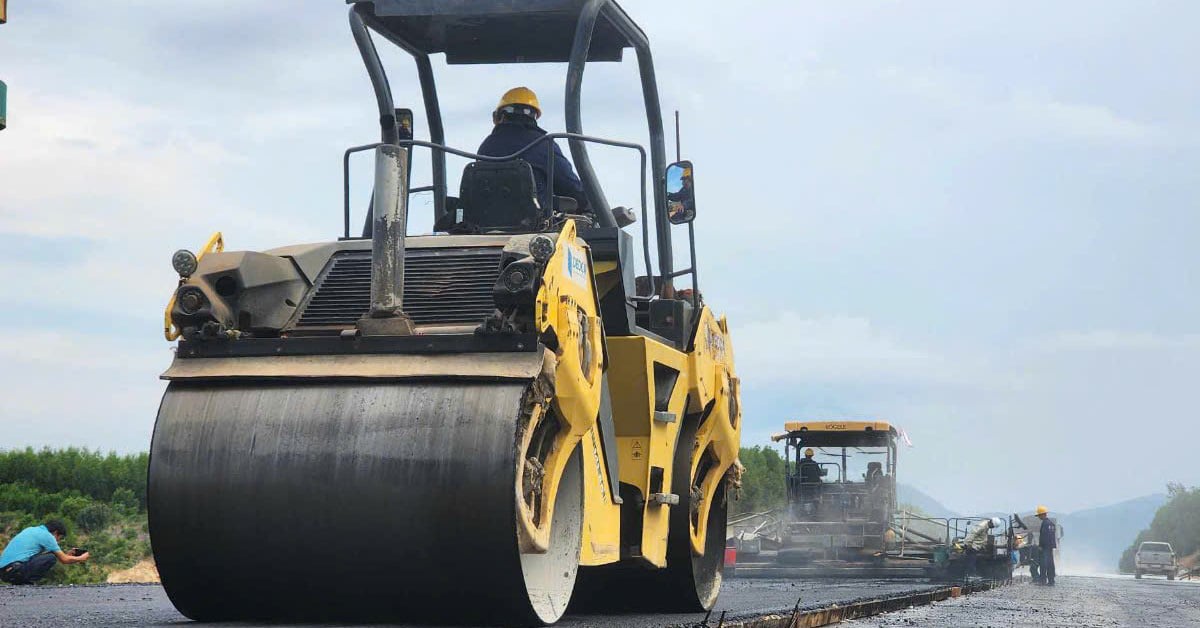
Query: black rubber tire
{"points": [[352, 501]]}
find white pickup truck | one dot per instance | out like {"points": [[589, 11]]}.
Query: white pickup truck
{"points": [[1155, 558]]}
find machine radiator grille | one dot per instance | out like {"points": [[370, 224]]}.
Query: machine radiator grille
{"points": [[442, 286]]}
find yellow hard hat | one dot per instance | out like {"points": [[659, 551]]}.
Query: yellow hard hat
{"points": [[520, 96], [1041, 510], [809, 452]]}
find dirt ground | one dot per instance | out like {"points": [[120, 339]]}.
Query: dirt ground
{"points": [[143, 572], [1075, 601]]}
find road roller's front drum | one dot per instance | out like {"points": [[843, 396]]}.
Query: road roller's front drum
{"points": [[387, 500]]}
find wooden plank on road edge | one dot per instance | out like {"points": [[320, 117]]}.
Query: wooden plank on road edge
{"points": [[834, 614]]}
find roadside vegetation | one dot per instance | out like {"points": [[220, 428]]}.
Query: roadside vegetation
{"points": [[100, 497], [1177, 522], [763, 487]]}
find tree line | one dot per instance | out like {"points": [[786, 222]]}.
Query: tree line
{"points": [[1177, 522], [91, 473]]}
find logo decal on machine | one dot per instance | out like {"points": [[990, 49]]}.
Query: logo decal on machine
{"points": [[575, 265], [716, 342]]}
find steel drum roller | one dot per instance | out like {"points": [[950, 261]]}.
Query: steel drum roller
{"points": [[351, 499]]}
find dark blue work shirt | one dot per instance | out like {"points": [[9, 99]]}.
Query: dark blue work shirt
{"points": [[1048, 534], [510, 137]]}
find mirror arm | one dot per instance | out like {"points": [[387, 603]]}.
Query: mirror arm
{"points": [[695, 273]]}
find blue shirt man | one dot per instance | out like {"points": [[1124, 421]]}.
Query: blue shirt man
{"points": [[516, 127], [31, 554]]}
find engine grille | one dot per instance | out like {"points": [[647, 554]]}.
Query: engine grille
{"points": [[444, 286]]}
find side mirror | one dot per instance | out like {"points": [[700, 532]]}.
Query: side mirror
{"points": [[681, 193]]}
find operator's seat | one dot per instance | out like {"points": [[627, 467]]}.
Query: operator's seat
{"points": [[499, 196]]}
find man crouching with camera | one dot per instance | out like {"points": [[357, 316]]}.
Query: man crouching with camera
{"points": [[31, 554]]}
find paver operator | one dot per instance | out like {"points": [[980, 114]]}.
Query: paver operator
{"points": [[810, 481], [1047, 541], [810, 471], [516, 127], [31, 554]]}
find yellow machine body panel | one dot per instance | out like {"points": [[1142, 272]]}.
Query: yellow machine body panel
{"points": [[602, 516], [654, 388], [715, 392], [645, 439], [568, 307]]}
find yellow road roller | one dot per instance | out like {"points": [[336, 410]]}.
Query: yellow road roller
{"points": [[480, 425]]}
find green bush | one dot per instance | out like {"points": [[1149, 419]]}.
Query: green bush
{"points": [[94, 517], [763, 484], [124, 499]]}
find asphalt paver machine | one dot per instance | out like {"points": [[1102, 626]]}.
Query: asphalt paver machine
{"points": [[470, 426], [842, 520], [841, 504], [840, 510]]}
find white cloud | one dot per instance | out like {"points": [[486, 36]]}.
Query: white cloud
{"points": [[789, 348], [103, 168], [1080, 120], [126, 186], [1109, 339], [79, 388], [978, 109]]}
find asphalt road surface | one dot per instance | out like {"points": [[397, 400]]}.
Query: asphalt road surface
{"points": [[147, 605], [1074, 601]]}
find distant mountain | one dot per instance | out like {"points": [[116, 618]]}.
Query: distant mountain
{"points": [[913, 496], [1093, 539]]}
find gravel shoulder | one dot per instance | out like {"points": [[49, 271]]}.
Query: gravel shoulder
{"points": [[1086, 602]]}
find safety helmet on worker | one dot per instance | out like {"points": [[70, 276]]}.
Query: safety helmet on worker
{"points": [[1041, 510], [809, 452], [996, 522], [520, 100]]}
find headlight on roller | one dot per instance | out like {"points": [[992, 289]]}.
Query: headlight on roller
{"points": [[541, 247], [184, 262], [191, 299], [517, 283], [516, 278]]}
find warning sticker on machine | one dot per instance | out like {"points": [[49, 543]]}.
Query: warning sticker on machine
{"points": [[575, 264]]}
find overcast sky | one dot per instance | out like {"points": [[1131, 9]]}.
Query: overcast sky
{"points": [[975, 220]]}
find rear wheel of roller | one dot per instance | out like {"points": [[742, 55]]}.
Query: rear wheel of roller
{"points": [[353, 501]]}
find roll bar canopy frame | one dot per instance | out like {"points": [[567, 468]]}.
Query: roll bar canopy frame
{"points": [[363, 15]]}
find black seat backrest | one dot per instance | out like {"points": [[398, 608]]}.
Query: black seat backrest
{"points": [[500, 196]]}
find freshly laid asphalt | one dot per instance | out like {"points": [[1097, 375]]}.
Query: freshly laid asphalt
{"points": [[1075, 601], [147, 605]]}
